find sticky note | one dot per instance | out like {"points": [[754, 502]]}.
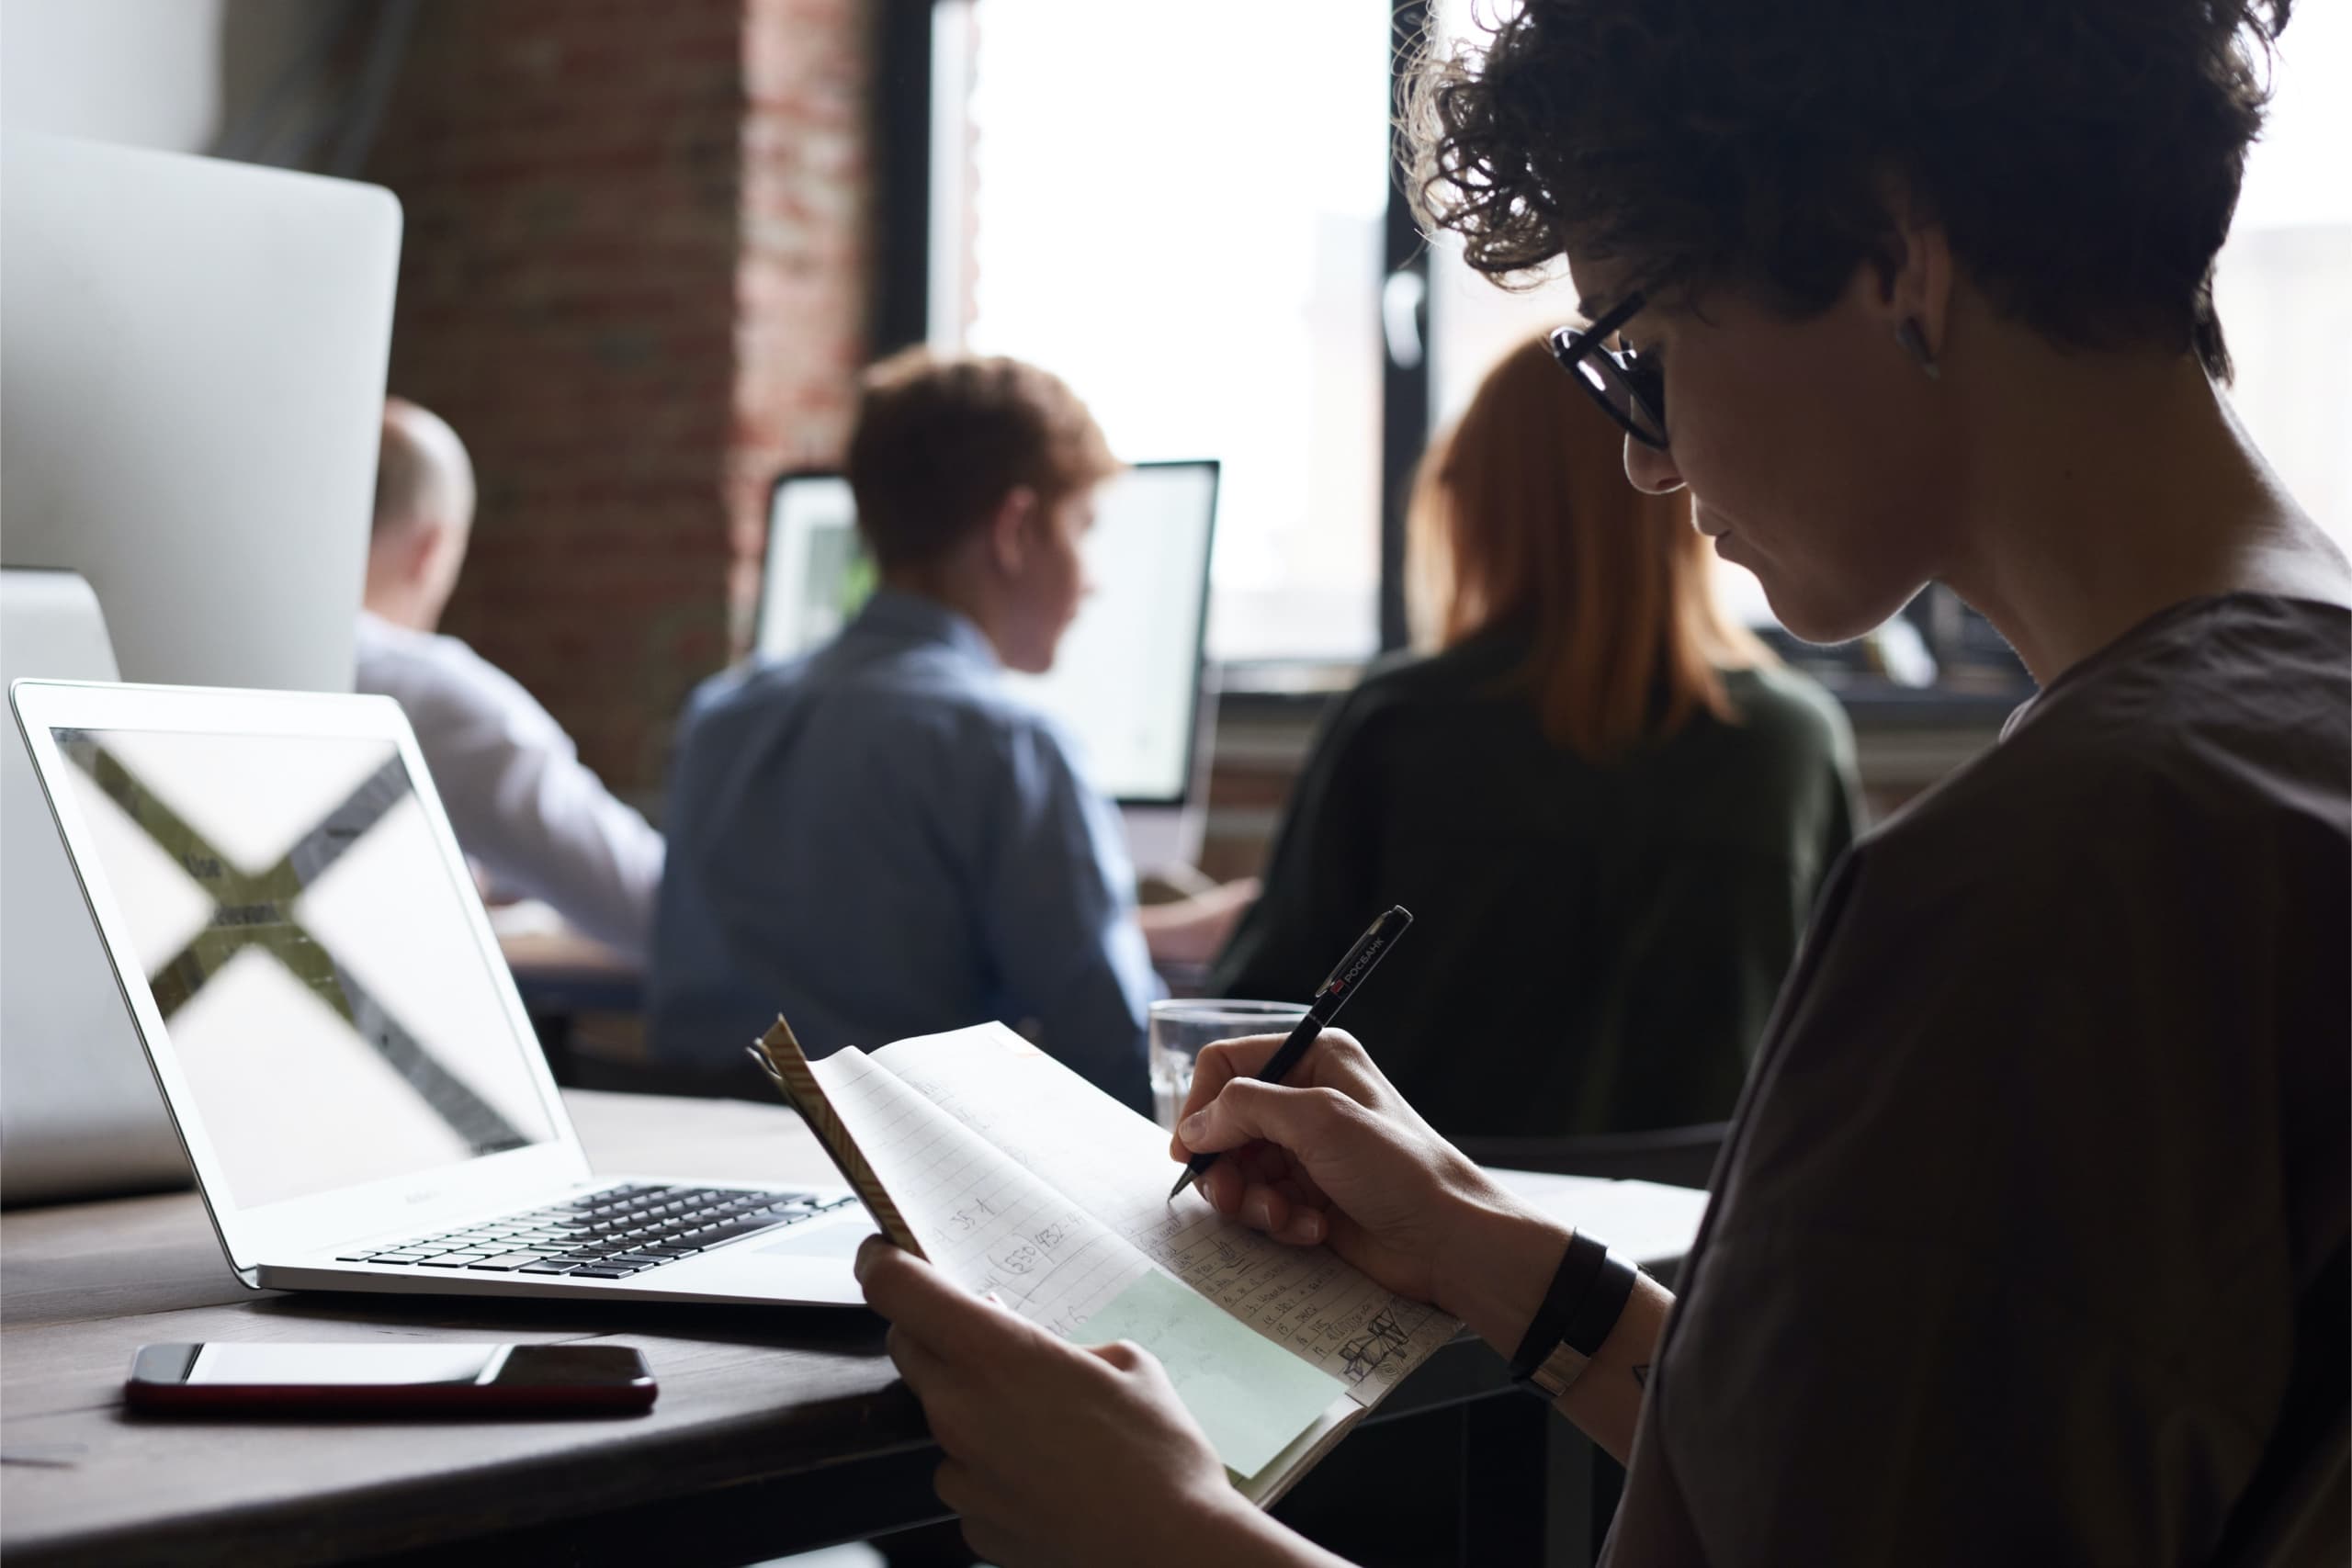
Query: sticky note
{"points": [[1249, 1394]]}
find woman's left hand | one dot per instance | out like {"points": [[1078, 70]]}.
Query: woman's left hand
{"points": [[1057, 1455]]}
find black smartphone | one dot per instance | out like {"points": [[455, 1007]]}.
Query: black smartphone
{"points": [[378, 1379]]}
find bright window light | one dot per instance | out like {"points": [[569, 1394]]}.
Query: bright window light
{"points": [[1179, 210]]}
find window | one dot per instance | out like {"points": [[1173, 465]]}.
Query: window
{"points": [[1179, 209], [2283, 285]]}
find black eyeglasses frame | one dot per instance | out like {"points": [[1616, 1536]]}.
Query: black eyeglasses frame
{"points": [[1601, 371]]}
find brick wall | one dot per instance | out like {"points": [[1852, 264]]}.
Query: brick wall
{"points": [[803, 271], [633, 280]]}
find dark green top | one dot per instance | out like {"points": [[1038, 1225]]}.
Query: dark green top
{"points": [[1594, 949]]}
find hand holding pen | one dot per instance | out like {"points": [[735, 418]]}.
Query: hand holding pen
{"points": [[1343, 982]]}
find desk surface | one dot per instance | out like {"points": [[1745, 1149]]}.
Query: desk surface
{"points": [[748, 1394]]}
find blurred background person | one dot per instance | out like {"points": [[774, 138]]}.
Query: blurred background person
{"points": [[1607, 805], [535, 820], [882, 838]]}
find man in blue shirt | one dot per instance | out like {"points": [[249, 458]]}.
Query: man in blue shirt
{"points": [[878, 838]]}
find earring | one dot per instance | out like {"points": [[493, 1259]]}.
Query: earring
{"points": [[1909, 335]]}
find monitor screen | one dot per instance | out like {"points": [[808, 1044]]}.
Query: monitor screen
{"points": [[311, 951], [817, 572], [1126, 681]]}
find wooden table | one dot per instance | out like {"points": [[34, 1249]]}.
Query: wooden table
{"points": [[777, 1429]]}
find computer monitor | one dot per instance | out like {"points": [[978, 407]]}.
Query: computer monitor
{"points": [[817, 572], [192, 359], [1129, 683]]}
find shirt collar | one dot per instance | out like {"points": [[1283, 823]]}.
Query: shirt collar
{"points": [[911, 620]]}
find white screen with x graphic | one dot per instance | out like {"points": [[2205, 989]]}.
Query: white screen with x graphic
{"points": [[311, 951]]}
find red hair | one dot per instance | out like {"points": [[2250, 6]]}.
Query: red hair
{"points": [[1521, 512]]}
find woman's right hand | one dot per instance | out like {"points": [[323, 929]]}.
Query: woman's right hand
{"points": [[1336, 1155]]}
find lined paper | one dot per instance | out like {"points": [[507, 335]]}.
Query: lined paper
{"points": [[1113, 1164], [991, 1225], [982, 1219]]}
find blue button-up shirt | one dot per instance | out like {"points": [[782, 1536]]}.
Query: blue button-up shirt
{"points": [[880, 840]]}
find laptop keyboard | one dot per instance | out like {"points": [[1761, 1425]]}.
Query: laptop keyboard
{"points": [[608, 1234]]}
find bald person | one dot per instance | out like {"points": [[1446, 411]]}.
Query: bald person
{"points": [[524, 806]]}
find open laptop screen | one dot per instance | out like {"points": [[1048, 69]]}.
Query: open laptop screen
{"points": [[311, 954]]}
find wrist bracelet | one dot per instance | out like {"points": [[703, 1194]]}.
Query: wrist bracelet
{"points": [[1578, 1313], [1596, 1316], [1579, 1268]]}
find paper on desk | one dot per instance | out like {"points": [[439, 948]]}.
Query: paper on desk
{"points": [[1249, 1396]]}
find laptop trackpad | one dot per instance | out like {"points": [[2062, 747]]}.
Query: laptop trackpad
{"points": [[840, 1239]]}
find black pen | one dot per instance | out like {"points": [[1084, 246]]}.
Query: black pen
{"points": [[1369, 950]]}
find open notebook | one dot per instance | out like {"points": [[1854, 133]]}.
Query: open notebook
{"points": [[1012, 1174]]}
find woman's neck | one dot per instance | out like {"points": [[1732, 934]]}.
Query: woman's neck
{"points": [[2114, 487]]}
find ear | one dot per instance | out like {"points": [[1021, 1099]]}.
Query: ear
{"points": [[1009, 529], [429, 538], [1911, 279]]}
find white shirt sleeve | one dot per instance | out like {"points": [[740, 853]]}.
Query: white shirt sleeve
{"points": [[519, 799]]}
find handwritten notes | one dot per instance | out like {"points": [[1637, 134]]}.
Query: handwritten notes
{"points": [[1016, 1175], [1111, 1166], [981, 1217], [1249, 1396]]}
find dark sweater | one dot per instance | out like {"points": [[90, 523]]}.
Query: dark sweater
{"points": [[1595, 948]]}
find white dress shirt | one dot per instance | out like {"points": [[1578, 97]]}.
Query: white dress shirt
{"points": [[522, 805]]}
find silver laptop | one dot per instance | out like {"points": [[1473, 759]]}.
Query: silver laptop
{"points": [[335, 1036]]}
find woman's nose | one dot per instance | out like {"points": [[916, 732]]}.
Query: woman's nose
{"points": [[1651, 468]]}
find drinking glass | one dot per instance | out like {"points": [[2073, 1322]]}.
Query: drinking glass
{"points": [[1181, 1027]]}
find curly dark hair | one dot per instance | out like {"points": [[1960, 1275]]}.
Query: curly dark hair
{"points": [[2083, 155]]}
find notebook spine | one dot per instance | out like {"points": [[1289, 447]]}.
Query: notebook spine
{"points": [[779, 1055]]}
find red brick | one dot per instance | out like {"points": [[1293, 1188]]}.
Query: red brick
{"points": [[634, 280]]}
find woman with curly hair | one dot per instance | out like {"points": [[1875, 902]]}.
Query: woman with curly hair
{"points": [[2029, 1242]]}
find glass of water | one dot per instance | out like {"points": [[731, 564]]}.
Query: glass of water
{"points": [[1181, 1027]]}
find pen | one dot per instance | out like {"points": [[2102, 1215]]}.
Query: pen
{"points": [[1343, 983]]}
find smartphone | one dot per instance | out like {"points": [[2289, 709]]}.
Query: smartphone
{"points": [[375, 1379]]}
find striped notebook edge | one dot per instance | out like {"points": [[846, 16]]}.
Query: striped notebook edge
{"points": [[779, 1055]]}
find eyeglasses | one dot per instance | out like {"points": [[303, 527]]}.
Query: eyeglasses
{"points": [[1631, 388]]}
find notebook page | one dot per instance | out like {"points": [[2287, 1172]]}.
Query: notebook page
{"points": [[982, 1220], [987, 1223], [1115, 1163]]}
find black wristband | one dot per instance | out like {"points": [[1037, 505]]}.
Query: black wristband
{"points": [[1589, 1325], [1572, 1284]]}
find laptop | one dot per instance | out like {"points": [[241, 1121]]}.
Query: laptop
{"points": [[79, 1115], [337, 1040]]}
